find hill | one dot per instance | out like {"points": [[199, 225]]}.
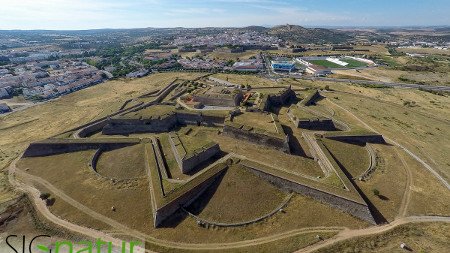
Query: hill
{"points": [[299, 34]]}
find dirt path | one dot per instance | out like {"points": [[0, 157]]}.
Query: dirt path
{"points": [[348, 234], [45, 212], [344, 233], [407, 194], [425, 164], [121, 229]]}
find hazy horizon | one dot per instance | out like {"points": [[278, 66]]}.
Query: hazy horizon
{"points": [[115, 14]]}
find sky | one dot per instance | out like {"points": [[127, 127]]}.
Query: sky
{"points": [[94, 14]]}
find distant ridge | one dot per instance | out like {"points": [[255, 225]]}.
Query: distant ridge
{"points": [[299, 34]]}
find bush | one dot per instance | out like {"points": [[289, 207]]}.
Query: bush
{"points": [[50, 201], [44, 195], [376, 192]]}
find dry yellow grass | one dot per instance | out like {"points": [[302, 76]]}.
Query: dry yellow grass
{"points": [[123, 163], [246, 79], [49, 119], [232, 56], [424, 51], [391, 75], [237, 190], [390, 179], [70, 173], [421, 237]]}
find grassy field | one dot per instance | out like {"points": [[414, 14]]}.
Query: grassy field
{"points": [[238, 196], [300, 113], [70, 174], [271, 157], [69, 111], [353, 157], [326, 64], [246, 79], [428, 196], [393, 75], [150, 112], [233, 56], [287, 245], [123, 163], [423, 237], [353, 63], [432, 51], [193, 143], [256, 120], [420, 132], [301, 212], [389, 179]]}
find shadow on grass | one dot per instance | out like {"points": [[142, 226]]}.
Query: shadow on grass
{"points": [[294, 145], [196, 207], [377, 215]]}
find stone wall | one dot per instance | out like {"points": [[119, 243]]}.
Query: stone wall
{"points": [[358, 210], [279, 143], [160, 124], [187, 162], [316, 124], [88, 130], [369, 138], [282, 97], [153, 125], [183, 201], [201, 155], [53, 148], [311, 99]]}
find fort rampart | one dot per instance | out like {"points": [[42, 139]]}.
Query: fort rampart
{"points": [[60, 146], [356, 209], [187, 162]]}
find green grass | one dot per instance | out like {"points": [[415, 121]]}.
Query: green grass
{"points": [[326, 64]]}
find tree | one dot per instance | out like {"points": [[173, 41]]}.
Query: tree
{"points": [[376, 192], [44, 195]]}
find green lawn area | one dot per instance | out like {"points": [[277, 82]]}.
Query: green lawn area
{"points": [[326, 64], [354, 63]]}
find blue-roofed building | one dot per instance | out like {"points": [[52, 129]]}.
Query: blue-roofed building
{"points": [[283, 65]]}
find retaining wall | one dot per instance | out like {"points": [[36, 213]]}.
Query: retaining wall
{"points": [[187, 163], [278, 143], [183, 201], [88, 130], [282, 97], [311, 99], [371, 138], [159, 124], [128, 126], [53, 148], [356, 209]]}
